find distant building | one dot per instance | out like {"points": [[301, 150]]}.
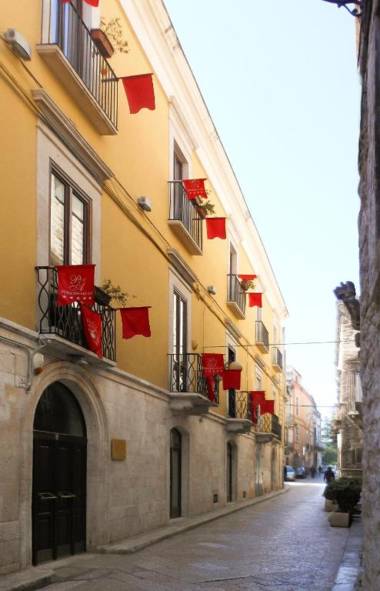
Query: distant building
{"points": [[302, 425]]}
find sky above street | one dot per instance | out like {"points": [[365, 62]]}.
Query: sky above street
{"points": [[281, 83]]}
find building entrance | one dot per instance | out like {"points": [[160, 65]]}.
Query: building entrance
{"points": [[59, 476]]}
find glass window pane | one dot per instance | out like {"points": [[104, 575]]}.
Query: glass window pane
{"points": [[57, 221], [77, 231]]}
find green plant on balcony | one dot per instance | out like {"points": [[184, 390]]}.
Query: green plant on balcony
{"points": [[113, 29], [247, 284], [114, 292], [204, 209]]}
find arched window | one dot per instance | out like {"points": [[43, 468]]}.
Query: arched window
{"points": [[59, 412]]}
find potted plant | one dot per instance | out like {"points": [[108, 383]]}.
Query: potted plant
{"points": [[102, 42], [346, 494], [247, 284], [204, 209], [109, 292]]}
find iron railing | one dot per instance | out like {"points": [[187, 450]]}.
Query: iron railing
{"points": [[184, 210], [67, 30], [186, 375], [262, 335], [66, 321], [239, 406], [268, 423], [235, 293], [276, 357]]}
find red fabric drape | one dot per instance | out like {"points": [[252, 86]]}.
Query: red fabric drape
{"points": [[75, 284], [194, 188], [231, 379], [267, 407], [135, 321], [255, 299], [247, 277], [212, 364], [257, 397], [140, 92], [92, 328], [216, 228], [94, 3]]}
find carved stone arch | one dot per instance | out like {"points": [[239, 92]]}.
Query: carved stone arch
{"points": [[77, 380]]}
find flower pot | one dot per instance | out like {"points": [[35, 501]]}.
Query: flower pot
{"points": [[101, 297], [201, 212], [244, 285], [338, 519], [102, 43]]}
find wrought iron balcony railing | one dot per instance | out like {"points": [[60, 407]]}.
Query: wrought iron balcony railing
{"points": [[65, 321], [236, 296], [262, 336], [277, 358], [63, 26], [182, 210], [268, 423], [238, 405], [186, 375]]}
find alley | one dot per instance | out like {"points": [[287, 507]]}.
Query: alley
{"points": [[285, 544]]}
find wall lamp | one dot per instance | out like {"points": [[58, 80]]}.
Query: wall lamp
{"points": [[345, 3]]}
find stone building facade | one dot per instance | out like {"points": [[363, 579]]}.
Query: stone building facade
{"points": [[95, 448], [302, 425], [348, 423], [369, 233]]}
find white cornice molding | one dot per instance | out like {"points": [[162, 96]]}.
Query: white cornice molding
{"points": [[154, 30]]}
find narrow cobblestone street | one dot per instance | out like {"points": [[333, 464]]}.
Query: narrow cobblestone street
{"points": [[285, 544]]}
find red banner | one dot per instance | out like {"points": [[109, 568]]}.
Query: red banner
{"points": [[135, 321], [247, 277], [267, 407], [75, 284], [255, 299], [94, 3], [253, 407], [140, 92], [92, 328], [194, 188], [257, 396], [216, 228], [212, 364], [231, 379]]}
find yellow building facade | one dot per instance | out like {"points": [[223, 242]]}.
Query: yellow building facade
{"points": [[85, 181]]}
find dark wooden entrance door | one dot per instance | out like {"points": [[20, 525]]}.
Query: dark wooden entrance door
{"points": [[175, 473], [59, 476], [229, 472]]}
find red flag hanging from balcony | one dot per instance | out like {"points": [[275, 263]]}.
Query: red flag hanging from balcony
{"points": [[92, 328], [194, 188], [135, 321], [257, 396], [247, 277], [231, 379], [94, 3], [140, 92], [255, 299], [212, 364], [216, 228], [267, 407], [75, 284]]}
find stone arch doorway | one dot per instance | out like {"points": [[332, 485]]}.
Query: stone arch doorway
{"points": [[175, 474], [59, 476]]}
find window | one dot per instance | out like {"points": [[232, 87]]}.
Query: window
{"points": [[179, 324], [69, 223], [259, 315]]}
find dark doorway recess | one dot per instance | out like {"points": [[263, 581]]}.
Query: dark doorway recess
{"points": [[59, 476]]}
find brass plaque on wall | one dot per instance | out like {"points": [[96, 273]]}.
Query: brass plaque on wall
{"points": [[118, 449]]}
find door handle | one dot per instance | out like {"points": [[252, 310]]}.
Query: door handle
{"points": [[64, 495], [46, 496]]}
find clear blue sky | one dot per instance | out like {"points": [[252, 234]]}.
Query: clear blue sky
{"points": [[281, 83]]}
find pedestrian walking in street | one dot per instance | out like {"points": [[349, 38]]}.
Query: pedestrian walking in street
{"points": [[313, 471], [329, 475], [320, 470]]}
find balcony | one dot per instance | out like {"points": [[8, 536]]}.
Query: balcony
{"points": [[69, 51], [268, 427], [239, 412], [189, 394], [236, 297], [262, 337], [277, 359], [60, 327], [184, 219]]}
